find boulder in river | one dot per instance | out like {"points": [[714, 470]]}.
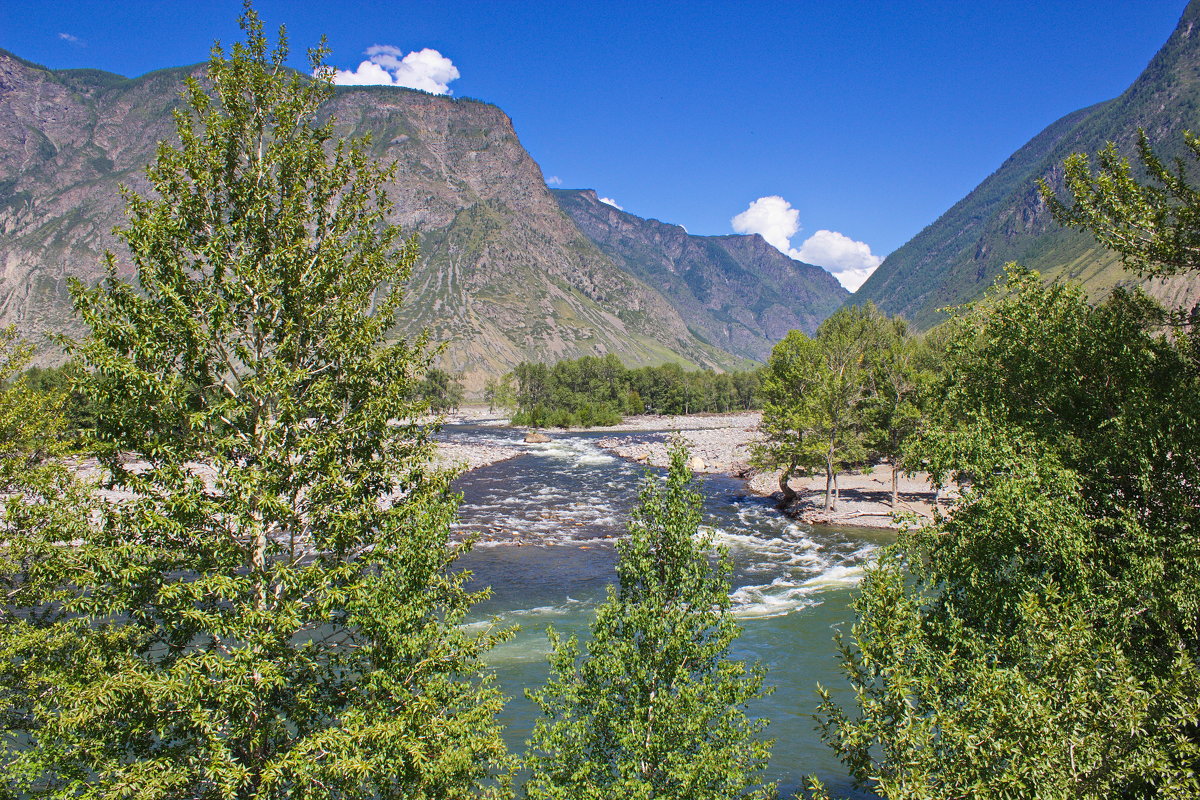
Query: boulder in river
{"points": [[536, 437], [696, 464]]}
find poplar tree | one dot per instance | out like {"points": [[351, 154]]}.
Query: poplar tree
{"points": [[655, 708], [269, 612]]}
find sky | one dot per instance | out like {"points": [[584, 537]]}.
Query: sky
{"points": [[837, 129]]}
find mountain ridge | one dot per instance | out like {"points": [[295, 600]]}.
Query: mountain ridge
{"points": [[735, 290], [958, 256], [504, 275]]}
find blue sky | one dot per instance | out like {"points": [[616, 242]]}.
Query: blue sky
{"points": [[868, 119]]}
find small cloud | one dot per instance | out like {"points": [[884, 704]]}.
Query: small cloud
{"points": [[773, 218], [612, 203], [426, 69], [75, 40], [849, 261], [554, 180]]}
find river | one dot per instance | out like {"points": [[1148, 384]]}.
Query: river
{"points": [[565, 501]]}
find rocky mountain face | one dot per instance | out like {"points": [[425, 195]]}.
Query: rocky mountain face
{"points": [[736, 292], [505, 275], [956, 258]]}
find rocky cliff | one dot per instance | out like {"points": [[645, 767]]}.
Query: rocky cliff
{"points": [[505, 275], [957, 257], [737, 292]]}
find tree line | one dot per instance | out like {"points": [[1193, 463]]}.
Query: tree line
{"points": [[598, 390]]}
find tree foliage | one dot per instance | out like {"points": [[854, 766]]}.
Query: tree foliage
{"points": [[1152, 219], [1041, 640], [655, 708], [441, 391], [843, 397], [269, 611], [598, 390]]}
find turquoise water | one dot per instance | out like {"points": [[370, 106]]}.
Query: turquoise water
{"points": [[546, 523]]}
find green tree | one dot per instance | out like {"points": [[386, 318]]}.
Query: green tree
{"points": [[500, 392], [1150, 217], [655, 708], [788, 426], [903, 370], [1041, 640], [817, 396], [849, 343], [33, 427], [441, 391], [1153, 223], [271, 612]]}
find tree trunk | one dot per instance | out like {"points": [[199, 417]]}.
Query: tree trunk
{"points": [[829, 504], [789, 494], [895, 486]]}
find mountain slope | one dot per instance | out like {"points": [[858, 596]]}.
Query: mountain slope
{"points": [[504, 275], [956, 258], [736, 291]]}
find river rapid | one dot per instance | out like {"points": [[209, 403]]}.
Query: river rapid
{"points": [[546, 523]]}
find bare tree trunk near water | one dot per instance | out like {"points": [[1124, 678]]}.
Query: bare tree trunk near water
{"points": [[789, 494], [830, 504]]}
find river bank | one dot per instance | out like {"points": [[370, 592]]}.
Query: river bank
{"points": [[721, 444]]}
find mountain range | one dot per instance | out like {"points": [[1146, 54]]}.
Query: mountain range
{"points": [[505, 274], [957, 257], [736, 292]]}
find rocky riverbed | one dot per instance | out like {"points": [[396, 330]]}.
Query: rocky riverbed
{"points": [[721, 444]]}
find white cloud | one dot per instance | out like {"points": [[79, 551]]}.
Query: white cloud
{"points": [[425, 69], [850, 262], [66, 37], [612, 203], [554, 180], [774, 219]]}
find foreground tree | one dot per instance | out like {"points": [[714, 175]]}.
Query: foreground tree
{"points": [[1041, 640], [270, 612], [655, 708], [1153, 222]]}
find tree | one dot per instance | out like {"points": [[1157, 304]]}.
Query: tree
{"points": [[441, 391], [271, 612], [1041, 640], [817, 393], [32, 422], [1155, 226], [656, 708], [788, 425], [500, 392], [849, 344], [902, 373]]}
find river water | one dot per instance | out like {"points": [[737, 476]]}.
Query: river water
{"points": [[546, 523]]}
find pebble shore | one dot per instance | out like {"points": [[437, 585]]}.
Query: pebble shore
{"points": [[721, 444]]}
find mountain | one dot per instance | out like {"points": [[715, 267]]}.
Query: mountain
{"points": [[736, 292], [504, 276], [957, 257]]}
